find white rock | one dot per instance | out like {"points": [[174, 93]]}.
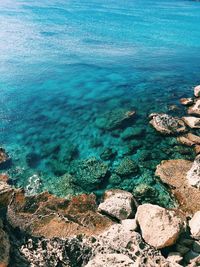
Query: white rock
{"points": [[129, 224], [118, 204], [111, 260], [193, 175], [195, 109], [192, 122], [175, 257], [197, 90], [160, 227], [194, 224]]}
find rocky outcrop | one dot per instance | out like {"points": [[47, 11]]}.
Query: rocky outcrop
{"points": [[174, 174], [197, 90], [195, 109], [192, 122], [5, 160], [5, 191], [167, 124], [186, 101], [4, 247], [194, 224], [118, 204], [159, 227], [111, 260], [193, 175], [50, 216]]}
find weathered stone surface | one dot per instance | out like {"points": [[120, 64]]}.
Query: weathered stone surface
{"points": [[159, 227], [118, 204], [174, 173], [192, 122], [5, 193], [186, 101], [4, 247], [193, 175], [167, 124], [195, 109], [5, 160], [194, 224], [175, 257], [111, 260], [185, 141], [197, 149], [129, 224], [50, 216], [197, 90]]}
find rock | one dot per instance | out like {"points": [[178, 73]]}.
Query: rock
{"points": [[49, 216], [197, 149], [118, 204], [89, 173], [174, 257], [196, 247], [189, 139], [167, 124], [4, 248], [174, 174], [131, 132], [144, 192], [195, 109], [5, 194], [192, 122], [194, 138], [108, 154], [5, 160], [111, 260], [127, 167], [159, 227], [194, 224], [197, 90], [4, 177], [114, 179], [129, 224], [193, 175], [186, 101], [115, 119]]}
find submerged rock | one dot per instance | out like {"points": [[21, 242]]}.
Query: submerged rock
{"points": [[5, 160], [167, 124], [127, 167], [193, 175], [107, 154], [118, 204], [195, 109], [118, 118], [50, 216], [145, 192], [192, 122], [131, 132], [194, 224], [159, 227], [174, 174]]}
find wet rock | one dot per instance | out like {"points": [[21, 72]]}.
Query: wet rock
{"points": [[114, 179], [194, 224], [108, 154], [127, 167], [144, 192], [49, 216], [159, 227], [115, 119], [4, 247], [174, 174], [186, 101], [118, 204], [111, 260], [167, 124], [5, 160], [34, 185], [193, 175], [197, 90], [192, 122], [131, 132], [89, 173], [195, 109]]}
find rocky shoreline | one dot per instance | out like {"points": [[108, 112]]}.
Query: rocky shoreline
{"points": [[46, 230]]}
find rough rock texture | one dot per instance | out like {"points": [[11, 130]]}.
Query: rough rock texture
{"points": [[186, 101], [50, 216], [127, 167], [4, 247], [174, 173], [166, 124], [194, 224], [111, 260], [193, 175], [197, 90], [192, 122], [118, 204], [189, 139], [195, 109], [5, 161], [5, 193], [159, 227]]}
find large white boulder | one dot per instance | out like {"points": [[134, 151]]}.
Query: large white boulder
{"points": [[194, 224], [159, 227]]}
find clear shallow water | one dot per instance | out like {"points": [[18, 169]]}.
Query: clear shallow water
{"points": [[63, 64]]}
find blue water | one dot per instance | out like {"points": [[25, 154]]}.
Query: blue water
{"points": [[63, 64]]}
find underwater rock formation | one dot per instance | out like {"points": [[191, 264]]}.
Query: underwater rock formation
{"points": [[167, 124], [127, 167], [5, 160]]}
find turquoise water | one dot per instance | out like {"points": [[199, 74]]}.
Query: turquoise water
{"points": [[63, 64]]}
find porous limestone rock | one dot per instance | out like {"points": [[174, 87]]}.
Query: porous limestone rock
{"points": [[4, 247], [192, 122], [193, 175], [174, 257], [159, 227], [197, 90], [118, 204], [167, 124], [129, 224], [186, 101], [174, 174], [195, 109], [194, 224]]}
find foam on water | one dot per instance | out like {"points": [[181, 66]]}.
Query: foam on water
{"points": [[64, 63]]}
